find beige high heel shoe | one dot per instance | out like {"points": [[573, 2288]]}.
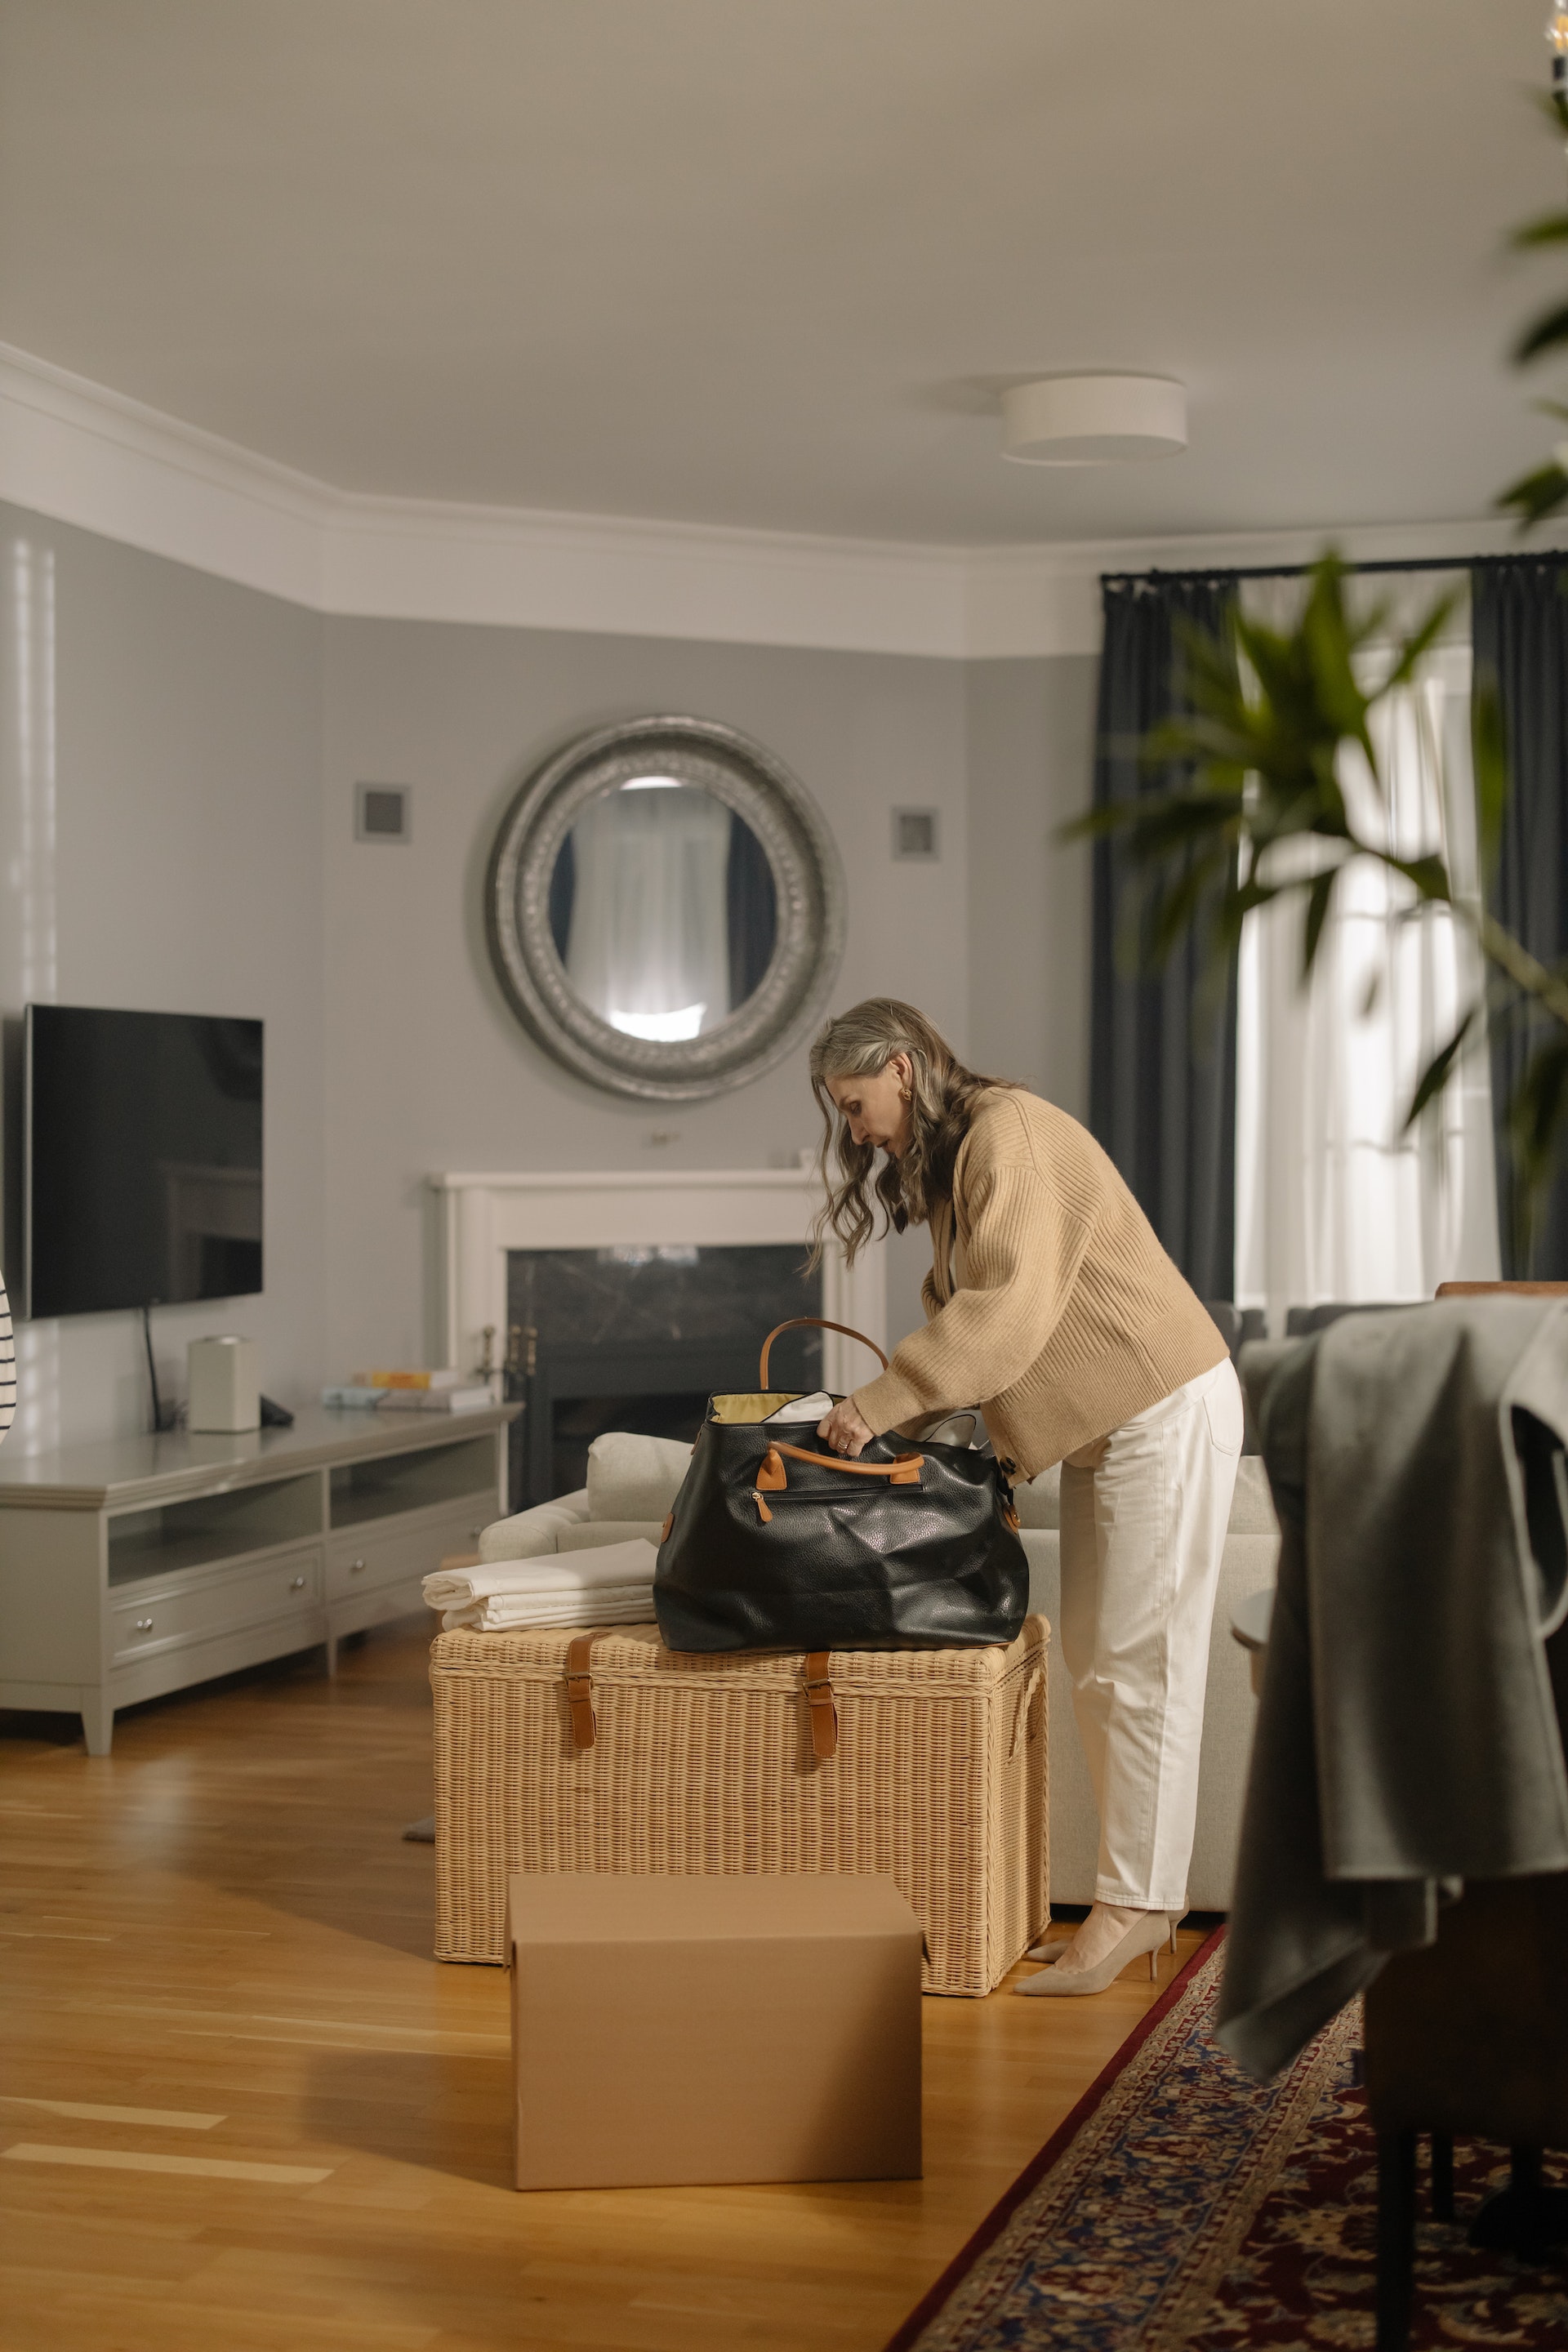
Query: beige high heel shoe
{"points": [[1145, 1935], [1055, 1945]]}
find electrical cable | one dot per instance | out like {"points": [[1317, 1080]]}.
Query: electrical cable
{"points": [[152, 1370]]}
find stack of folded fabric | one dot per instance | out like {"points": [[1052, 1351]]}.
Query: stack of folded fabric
{"points": [[612, 1585]]}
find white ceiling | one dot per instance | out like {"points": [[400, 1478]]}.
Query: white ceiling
{"points": [[765, 262]]}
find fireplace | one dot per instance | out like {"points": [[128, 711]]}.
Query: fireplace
{"points": [[636, 1335], [643, 1292]]}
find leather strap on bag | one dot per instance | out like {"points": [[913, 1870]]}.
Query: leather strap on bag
{"points": [[580, 1690], [821, 1707], [815, 1323], [903, 1471], [774, 1479]]}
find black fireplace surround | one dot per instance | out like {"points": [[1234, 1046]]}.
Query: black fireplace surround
{"points": [[638, 1338]]}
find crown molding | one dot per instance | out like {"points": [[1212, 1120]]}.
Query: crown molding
{"points": [[84, 454], [81, 454], [418, 559], [73, 450]]}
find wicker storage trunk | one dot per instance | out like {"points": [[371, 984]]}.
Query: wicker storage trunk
{"points": [[705, 1766]]}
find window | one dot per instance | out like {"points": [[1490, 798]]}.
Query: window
{"points": [[1332, 1200]]}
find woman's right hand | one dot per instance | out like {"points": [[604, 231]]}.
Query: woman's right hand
{"points": [[844, 1429]]}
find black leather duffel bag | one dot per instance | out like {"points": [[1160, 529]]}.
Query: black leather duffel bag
{"points": [[773, 1543]]}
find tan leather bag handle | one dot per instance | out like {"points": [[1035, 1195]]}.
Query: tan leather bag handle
{"points": [[816, 1323], [903, 1472], [772, 1478]]}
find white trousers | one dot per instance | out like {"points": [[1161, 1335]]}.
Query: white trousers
{"points": [[1141, 1533]]}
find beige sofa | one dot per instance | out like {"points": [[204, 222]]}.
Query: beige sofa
{"points": [[632, 1483]]}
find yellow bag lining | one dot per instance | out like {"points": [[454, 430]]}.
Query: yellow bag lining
{"points": [[752, 1408]]}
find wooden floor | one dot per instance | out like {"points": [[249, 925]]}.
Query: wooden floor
{"points": [[242, 2110]]}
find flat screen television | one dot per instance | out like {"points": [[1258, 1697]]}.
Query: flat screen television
{"points": [[142, 1141]]}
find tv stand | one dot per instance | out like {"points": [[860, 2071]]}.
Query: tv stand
{"points": [[142, 1566]]}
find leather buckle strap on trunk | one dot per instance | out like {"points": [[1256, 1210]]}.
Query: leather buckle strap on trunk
{"points": [[814, 1323], [580, 1690], [821, 1707]]}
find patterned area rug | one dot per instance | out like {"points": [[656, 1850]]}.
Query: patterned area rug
{"points": [[1182, 2204]]}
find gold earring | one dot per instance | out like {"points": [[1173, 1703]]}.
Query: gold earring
{"points": [[904, 1093]]}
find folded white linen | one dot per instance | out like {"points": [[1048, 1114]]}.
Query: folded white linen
{"points": [[807, 1408], [560, 1573], [501, 1612]]}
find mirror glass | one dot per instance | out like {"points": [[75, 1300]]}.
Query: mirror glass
{"points": [[663, 909]]}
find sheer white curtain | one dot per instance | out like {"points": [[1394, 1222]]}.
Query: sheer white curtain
{"points": [[650, 942], [1333, 1201]]}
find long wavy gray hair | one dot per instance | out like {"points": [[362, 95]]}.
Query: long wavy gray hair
{"points": [[860, 1043]]}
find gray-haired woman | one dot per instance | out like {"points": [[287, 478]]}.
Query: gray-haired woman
{"points": [[1051, 1305]]}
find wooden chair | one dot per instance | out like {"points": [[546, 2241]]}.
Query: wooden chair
{"points": [[1469, 2038]]}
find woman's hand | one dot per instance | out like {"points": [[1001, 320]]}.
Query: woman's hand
{"points": [[844, 1430]]}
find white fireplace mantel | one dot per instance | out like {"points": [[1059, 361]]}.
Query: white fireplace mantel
{"points": [[483, 1217]]}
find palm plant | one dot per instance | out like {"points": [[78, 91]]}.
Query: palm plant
{"points": [[1259, 755]]}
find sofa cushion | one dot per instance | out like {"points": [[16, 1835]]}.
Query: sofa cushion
{"points": [[530, 1534], [590, 1533], [1252, 1504], [1040, 1501], [632, 1478]]}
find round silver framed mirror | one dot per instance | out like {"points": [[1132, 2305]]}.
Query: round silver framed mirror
{"points": [[666, 907]]}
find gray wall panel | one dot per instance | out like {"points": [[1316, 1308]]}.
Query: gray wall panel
{"points": [[1031, 734], [192, 849]]}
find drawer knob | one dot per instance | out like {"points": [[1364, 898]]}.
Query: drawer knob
{"points": [[143, 1625], [355, 1565], [298, 1585]]}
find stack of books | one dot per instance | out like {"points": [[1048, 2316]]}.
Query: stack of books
{"points": [[393, 1392]]}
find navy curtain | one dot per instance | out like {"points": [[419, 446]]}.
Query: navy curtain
{"points": [[1520, 619], [1163, 1045], [752, 911]]}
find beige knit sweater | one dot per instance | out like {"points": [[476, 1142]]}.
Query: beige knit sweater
{"points": [[1070, 1318]]}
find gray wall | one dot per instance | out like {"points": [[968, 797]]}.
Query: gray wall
{"points": [[426, 1066], [208, 740], [160, 816], [1031, 739]]}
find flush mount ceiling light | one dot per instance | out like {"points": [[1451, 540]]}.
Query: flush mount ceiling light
{"points": [[1093, 420]]}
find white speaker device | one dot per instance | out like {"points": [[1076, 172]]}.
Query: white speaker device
{"points": [[225, 1393]]}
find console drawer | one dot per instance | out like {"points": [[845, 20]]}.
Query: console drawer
{"points": [[216, 1601], [364, 1558]]}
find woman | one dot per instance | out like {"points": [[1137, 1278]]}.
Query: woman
{"points": [[1051, 1305]]}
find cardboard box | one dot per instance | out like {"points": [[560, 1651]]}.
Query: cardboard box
{"points": [[707, 2030]]}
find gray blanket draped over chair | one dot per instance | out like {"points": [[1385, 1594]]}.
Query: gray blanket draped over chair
{"points": [[1407, 1734]]}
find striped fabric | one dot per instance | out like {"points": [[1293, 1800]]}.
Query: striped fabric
{"points": [[7, 1363]]}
